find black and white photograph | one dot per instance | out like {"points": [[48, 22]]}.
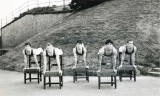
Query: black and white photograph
{"points": [[80, 48]]}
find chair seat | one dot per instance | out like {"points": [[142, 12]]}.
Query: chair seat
{"points": [[127, 68], [31, 70], [106, 72], [80, 69], [51, 73]]}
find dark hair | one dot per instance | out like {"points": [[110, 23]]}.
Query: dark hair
{"points": [[129, 41], [48, 44], [79, 41], [27, 43], [109, 41]]}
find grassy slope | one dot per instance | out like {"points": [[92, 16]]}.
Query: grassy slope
{"points": [[119, 20]]}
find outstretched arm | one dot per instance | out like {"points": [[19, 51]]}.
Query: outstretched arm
{"points": [[121, 56], [99, 61], [114, 59], [84, 56], [36, 61], [58, 62], [75, 58], [25, 59], [44, 61], [133, 56]]}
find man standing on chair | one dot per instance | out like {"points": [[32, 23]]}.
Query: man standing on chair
{"points": [[80, 50], [29, 51], [52, 51], [128, 49], [110, 51]]}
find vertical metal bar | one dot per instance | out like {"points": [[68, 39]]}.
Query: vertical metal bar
{"points": [[6, 20], [49, 3], [63, 4], [1, 35], [19, 10], [28, 5], [37, 3], [12, 15]]}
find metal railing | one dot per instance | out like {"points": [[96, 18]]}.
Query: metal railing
{"points": [[30, 4]]}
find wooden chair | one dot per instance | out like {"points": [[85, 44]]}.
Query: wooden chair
{"points": [[127, 70], [50, 73], [107, 73], [31, 70], [80, 72]]}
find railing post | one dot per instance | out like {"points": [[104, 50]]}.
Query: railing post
{"points": [[12, 16], [37, 3], [6, 20], [28, 5], [63, 4], [19, 10], [49, 3], [1, 35]]}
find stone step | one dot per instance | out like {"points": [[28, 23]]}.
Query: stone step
{"points": [[156, 69], [156, 74]]}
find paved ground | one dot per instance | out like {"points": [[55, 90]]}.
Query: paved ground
{"points": [[11, 84]]}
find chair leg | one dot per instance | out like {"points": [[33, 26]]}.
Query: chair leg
{"points": [[30, 77], [111, 80], [49, 81], [121, 72], [130, 72], [44, 82], [119, 75], [24, 78], [74, 77], [134, 75], [99, 81], [86, 75], [88, 78], [115, 82], [60, 82], [38, 77]]}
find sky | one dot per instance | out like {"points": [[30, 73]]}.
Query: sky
{"points": [[10, 8], [7, 6]]}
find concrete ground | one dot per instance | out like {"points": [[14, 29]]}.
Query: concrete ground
{"points": [[11, 84]]}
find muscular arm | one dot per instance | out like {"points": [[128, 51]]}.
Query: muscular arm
{"points": [[122, 55], [133, 56], [84, 56], [100, 55], [25, 59], [114, 59], [44, 61], [99, 61], [58, 62], [122, 58], [36, 61], [75, 57]]}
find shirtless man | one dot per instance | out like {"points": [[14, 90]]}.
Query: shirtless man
{"points": [[80, 50], [110, 51], [28, 50], [52, 51], [128, 49]]}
